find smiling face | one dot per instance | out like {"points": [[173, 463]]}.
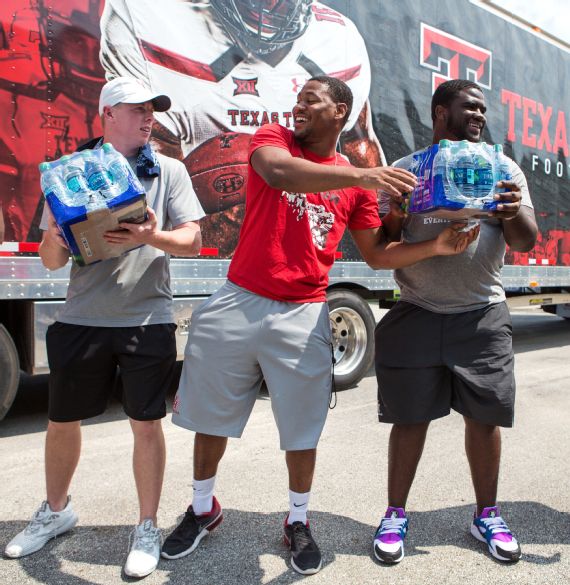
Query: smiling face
{"points": [[464, 118], [129, 125], [316, 115]]}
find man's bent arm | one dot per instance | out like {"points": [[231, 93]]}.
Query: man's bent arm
{"points": [[280, 170], [521, 231], [392, 223], [184, 240], [378, 253], [53, 250], [517, 220]]}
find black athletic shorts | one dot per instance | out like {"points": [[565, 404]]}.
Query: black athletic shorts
{"points": [[83, 363], [428, 363]]}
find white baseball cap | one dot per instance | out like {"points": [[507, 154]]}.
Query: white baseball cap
{"points": [[128, 90]]}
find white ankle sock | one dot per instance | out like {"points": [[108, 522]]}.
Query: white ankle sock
{"points": [[203, 498], [298, 505]]}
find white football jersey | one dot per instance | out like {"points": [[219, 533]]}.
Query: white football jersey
{"points": [[180, 49]]}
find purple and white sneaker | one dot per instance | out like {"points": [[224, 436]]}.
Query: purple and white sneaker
{"points": [[492, 529], [389, 538]]}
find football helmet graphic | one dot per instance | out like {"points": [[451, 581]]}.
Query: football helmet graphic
{"points": [[264, 26]]}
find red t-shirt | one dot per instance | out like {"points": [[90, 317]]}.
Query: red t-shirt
{"points": [[288, 241]]}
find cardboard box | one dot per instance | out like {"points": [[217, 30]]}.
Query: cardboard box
{"points": [[90, 193], [83, 230]]}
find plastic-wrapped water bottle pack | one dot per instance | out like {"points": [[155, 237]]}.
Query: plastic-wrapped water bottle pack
{"points": [[91, 192], [458, 179], [90, 178]]}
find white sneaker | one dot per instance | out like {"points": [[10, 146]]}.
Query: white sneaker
{"points": [[44, 525], [145, 551]]}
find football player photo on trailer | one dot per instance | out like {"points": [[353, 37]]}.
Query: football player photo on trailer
{"points": [[50, 79], [231, 66]]}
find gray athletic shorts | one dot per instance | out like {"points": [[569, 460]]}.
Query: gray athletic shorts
{"points": [[428, 363], [235, 340]]}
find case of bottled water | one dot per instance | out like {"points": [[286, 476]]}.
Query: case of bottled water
{"points": [[88, 193], [458, 179]]}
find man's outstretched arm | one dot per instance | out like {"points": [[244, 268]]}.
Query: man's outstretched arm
{"points": [[280, 170], [379, 253]]}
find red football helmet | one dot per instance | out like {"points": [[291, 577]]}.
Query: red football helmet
{"points": [[264, 25]]}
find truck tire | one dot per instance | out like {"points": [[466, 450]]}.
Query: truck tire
{"points": [[10, 368], [352, 327]]}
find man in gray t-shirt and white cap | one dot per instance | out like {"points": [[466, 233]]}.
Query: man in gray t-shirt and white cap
{"points": [[118, 313], [447, 343]]}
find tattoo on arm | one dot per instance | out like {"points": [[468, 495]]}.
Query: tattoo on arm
{"points": [[165, 141], [360, 143]]}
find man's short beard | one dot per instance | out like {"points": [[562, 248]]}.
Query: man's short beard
{"points": [[460, 131]]}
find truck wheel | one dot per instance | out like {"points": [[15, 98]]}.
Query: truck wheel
{"points": [[352, 326], [10, 368]]}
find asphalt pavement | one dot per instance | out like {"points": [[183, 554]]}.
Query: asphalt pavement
{"points": [[349, 494]]}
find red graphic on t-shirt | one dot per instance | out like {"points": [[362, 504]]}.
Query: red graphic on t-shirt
{"points": [[320, 220]]}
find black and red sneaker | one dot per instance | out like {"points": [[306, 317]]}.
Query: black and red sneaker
{"points": [[188, 534], [305, 554]]}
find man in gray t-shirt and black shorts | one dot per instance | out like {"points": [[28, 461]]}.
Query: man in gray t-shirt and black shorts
{"points": [[447, 343], [118, 314]]}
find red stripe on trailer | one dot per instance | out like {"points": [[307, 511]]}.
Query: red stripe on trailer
{"points": [[209, 252], [28, 247], [12, 247]]}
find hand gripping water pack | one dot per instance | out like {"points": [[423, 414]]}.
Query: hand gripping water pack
{"points": [[458, 179], [91, 192]]}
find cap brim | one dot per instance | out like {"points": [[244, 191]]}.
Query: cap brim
{"points": [[161, 103]]}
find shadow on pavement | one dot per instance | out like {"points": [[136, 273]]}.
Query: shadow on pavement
{"points": [[29, 412], [234, 553], [532, 331], [539, 331]]}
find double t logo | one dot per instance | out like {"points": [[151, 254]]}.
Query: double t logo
{"points": [[450, 57]]}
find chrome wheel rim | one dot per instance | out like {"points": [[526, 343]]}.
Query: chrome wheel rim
{"points": [[349, 339]]}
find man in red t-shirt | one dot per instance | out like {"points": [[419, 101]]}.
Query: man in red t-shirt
{"points": [[270, 320]]}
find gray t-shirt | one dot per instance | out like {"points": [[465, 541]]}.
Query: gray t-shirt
{"points": [[134, 289], [465, 282]]}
